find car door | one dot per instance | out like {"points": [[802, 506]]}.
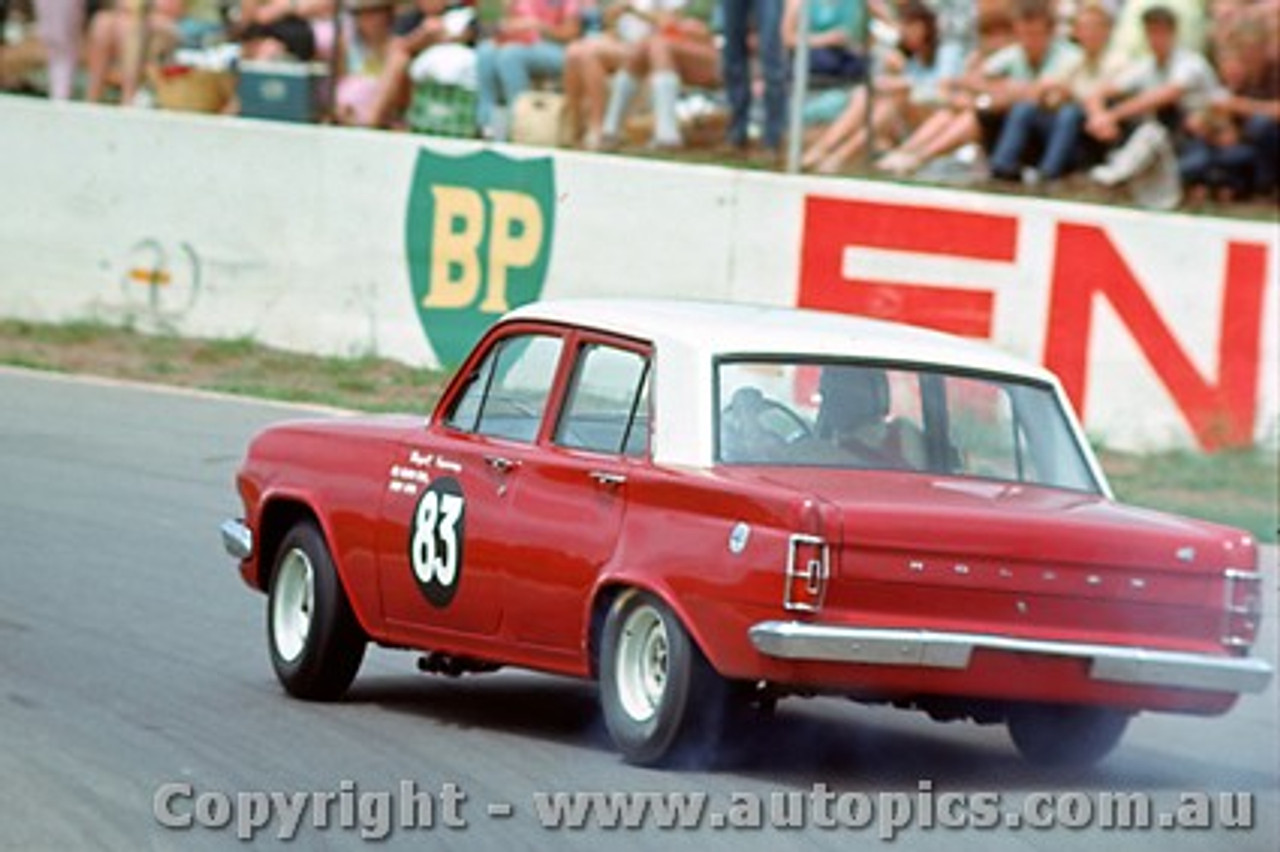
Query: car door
{"points": [[447, 538], [569, 504]]}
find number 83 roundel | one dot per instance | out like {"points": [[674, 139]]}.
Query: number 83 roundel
{"points": [[435, 545]]}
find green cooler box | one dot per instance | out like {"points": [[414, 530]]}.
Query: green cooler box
{"points": [[283, 91]]}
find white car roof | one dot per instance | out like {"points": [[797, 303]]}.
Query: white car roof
{"points": [[687, 337], [721, 328]]}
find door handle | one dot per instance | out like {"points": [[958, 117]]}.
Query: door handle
{"points": [[608, 480], [501, 464]]}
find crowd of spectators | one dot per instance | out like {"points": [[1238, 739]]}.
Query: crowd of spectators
{"points": [[1165, 99]]}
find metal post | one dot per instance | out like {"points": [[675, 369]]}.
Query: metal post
{"points": [[335, 64], [799, 89], [869, 150]]}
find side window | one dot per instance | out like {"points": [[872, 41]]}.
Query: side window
{"points": [[508, 393], [607, 409]]}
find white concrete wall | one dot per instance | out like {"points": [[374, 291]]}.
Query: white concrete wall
{"points": [[296, 236]]}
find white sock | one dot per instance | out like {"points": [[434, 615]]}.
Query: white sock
{"points": [[666, 92], [621, 91]]}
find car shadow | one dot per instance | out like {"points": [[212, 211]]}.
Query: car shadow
{"points": [[843, 744]]}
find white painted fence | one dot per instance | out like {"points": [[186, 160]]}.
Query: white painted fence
{"points": [[1163, 327]]}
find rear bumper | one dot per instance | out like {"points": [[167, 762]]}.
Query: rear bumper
{"points": [[1121, 664], [237, 539]]}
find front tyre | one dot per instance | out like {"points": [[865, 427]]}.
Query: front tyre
{"points": [[1065, 735], [316, 644], [663, 703]]}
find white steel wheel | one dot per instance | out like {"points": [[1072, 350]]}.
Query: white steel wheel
{"points": [[293, 598], [663, 703], [643, 656], [315, 641]]}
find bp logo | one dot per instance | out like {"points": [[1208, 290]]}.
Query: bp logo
{"points": [[478, 235]]}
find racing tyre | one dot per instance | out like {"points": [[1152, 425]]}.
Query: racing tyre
{"points": [[1064, 735], [316, 644], [663, 703]]}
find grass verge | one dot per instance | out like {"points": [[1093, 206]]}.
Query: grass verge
{"points": [[1241, 488]]}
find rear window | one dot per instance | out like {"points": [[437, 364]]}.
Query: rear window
{"points": [[890, 417]]}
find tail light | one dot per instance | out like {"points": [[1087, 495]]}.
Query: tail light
{"points": [[808, 569], [1242, 611]]}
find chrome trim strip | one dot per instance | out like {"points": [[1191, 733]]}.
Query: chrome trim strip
{"points": [[237, 539], [792, 640]]}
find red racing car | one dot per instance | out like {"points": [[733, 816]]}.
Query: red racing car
{"points": [[708, 507]]}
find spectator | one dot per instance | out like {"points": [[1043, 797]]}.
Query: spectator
{"points": [[1129, 43], [738, 16], [997, 76], [1255, 104], [1051, 121], [837, 31], [1213, 156], [272, 29], [530, 40], [1141, 113], [119, 36], [681, 50], [590, 62], [364, 52], [909, 90], [431, 44], [61, 24]]}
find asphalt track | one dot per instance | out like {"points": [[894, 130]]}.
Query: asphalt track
{"points": [[131, 656]]}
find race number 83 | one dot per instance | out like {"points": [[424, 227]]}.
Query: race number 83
{"points": [[436, 540]]}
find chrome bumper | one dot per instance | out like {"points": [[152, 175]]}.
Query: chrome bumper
{"points": [[792, 640], [237, 539]]}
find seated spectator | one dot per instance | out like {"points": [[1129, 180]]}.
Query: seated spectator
{"points": [[680, 51], [1213, 157], [278, 29], [591, 61], [364, 50], [907, 90], [530, 40], [433, 44], [836, 34], [119, 37], [1052, 120], [1140, 115], [957, 122], [1255, 104], [1128, 40]]}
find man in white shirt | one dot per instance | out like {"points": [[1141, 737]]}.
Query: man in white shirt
{"points": [[1141, 113]]}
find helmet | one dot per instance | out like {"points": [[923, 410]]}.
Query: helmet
{"points": [[852, 397]]}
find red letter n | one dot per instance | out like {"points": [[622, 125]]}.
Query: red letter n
{"points": [[1220, 413]]}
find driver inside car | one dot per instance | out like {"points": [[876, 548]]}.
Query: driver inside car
{"points": [[854, 415]]}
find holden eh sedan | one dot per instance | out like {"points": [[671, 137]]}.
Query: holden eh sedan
{"points": [[707, 507]]}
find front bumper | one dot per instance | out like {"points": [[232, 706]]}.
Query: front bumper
{"points": [[793, 640], [237, 539]]}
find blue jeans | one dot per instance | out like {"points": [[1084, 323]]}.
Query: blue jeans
{"points": [[1226, 166], [1262, 134], [503, 72], [1056, 131], [767, 16]]}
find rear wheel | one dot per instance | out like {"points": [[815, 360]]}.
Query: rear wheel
{"points": [[663, 702], [316, 644], [1065, 735]]}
